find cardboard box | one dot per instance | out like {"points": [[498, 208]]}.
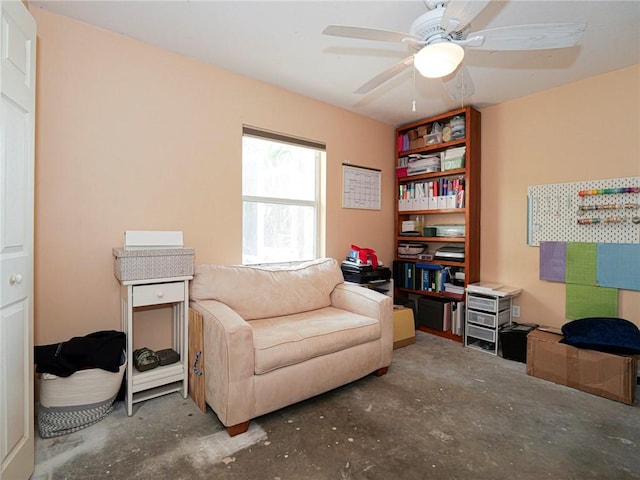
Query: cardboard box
{"points": [[417, 143], [404, 332], [605, 374]]}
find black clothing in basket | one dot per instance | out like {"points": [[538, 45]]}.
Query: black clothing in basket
{"points": [[97, 350]]}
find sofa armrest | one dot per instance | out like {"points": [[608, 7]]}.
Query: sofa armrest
{"points": [[361, 300], [367, 302], [229, 361]]}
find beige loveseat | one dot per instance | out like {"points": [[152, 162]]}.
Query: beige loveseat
{"points": [[275, 336]]}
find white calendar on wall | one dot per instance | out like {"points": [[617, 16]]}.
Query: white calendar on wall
{"points": [[361, 187]]}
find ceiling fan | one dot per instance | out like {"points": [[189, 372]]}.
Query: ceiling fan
{"points": [[440, 36]]}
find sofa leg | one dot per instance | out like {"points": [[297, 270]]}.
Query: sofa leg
{"points": [[234, 430], [381, 371]]}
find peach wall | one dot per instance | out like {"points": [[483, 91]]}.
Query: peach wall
{"points": [[587, 130], [132, 137]]}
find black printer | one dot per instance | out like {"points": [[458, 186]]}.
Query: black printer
{"points": [[357, 272]]}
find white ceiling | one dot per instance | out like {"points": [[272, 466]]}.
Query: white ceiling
{"points": [[281, 43]]}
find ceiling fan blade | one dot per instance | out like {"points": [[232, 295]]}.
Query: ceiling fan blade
{"points": [[368, 33], [460, 13], [459, 85], [386, 75], [526, 37]]}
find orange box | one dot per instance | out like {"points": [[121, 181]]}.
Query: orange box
{"points": [[404, 330]]}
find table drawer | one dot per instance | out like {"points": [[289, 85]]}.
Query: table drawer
{"points": [[157, 293]]}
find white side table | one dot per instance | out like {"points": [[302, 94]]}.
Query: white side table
{"points": [[163, 379]]}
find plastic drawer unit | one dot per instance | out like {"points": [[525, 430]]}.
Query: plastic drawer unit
{"points": [[486, 313]]}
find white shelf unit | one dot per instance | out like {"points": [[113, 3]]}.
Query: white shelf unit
{"points": [[164, 379], [485, 314]]}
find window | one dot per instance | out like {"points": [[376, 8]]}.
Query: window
{"points": [[281, 197]]}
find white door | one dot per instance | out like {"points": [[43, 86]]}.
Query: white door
{"points": [[17, 116]]}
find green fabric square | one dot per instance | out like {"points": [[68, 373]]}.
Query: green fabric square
{"points": [[581, 264], [583, 301]]}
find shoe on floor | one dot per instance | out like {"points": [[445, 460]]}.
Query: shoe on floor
{"points": [[145, 359]]}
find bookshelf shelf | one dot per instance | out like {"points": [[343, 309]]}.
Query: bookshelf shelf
{"points": [[424, 176], [433, 148], [431, 239], [463, 184], [440, 333], [434, 211], [452, 296]]}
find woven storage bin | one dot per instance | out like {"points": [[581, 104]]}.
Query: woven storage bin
{"points": [[153, 263], [411, 248], [69, 404]]}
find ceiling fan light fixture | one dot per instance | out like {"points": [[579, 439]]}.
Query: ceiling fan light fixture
{"points": [[438, 60]]}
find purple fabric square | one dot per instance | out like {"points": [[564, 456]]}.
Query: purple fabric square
{"points": [[552, 261]]}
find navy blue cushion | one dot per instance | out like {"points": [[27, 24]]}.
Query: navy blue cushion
{"points": [[613, 335]]}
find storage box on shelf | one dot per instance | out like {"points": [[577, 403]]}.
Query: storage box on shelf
{"points": [[431, 197], [440, 314]]}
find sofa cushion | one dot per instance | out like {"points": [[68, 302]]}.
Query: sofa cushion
{"points": [[263, 292], [292, 339]]}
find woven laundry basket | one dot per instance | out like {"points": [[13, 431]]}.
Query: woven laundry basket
{"points": [[69, 404]]}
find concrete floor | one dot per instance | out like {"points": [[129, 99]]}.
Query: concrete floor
{"points": [[442, 412]]}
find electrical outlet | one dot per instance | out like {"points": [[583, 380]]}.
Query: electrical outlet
{"points": [[515, 310]]}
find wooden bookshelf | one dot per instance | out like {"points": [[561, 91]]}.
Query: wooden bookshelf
{"points": [[467, 214]]}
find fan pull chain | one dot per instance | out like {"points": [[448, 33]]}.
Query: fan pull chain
{"points": [[413, 104], [462, 89]]}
